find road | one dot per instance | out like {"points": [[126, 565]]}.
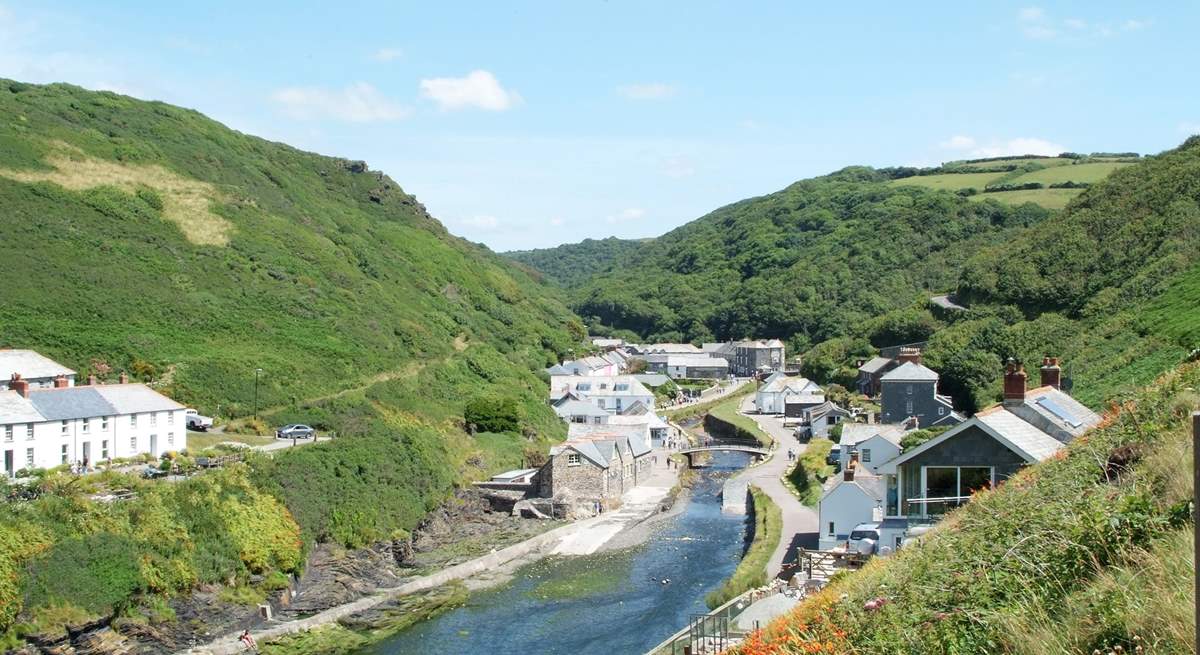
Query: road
{"points": [[800, 522]]}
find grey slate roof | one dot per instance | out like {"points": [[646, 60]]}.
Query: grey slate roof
{"points": [[572, 407], [30, 365], [71, 403], [875, 365], [651, 379], [856, 433], [15, 408], [135, 398], [1028, 441], [910, 372]]}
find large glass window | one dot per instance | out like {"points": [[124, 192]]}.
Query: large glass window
{"points": [[972, 479], [947, 487]]}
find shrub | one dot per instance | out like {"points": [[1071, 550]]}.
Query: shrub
{"points": [[97, 573], [493, 414]]}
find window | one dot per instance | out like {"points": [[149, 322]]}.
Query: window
{"points": [[170, 438], [29, 432], [132, 443], [153, 419], [64, 453], [133, 420], [104, 424], [618, 404], [572, 459], [66, 427], [620, 387], [831, 533], [104, 449], [87, 425], [908, 408], [941, 411], [29, 458], [583, 386], [579, 419], [8, 429], [170, 418], [947, 487], [908, 389], [600, 403], [603, 385], [866, 455]]}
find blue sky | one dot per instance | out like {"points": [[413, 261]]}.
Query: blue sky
{"points": [[524, 124]]}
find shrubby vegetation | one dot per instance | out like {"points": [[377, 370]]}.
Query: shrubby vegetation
{"points": [[751, 572], [572, 264]]}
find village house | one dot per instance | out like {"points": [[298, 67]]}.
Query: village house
{"points": [[34, 368], [573, 410], [776, 389], [910, 391], [872, 444], [850, 498], [870, 374], [604, 343], [612, 394], [923, 483], [64, 424], [818, 420], [694, 367], [750, 358], [596, 465], [591, 366]]}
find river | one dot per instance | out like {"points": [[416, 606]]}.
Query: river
{"points": [[611, 603]]}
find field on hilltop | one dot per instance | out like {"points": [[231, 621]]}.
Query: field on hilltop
{"points": [[980, 179]]}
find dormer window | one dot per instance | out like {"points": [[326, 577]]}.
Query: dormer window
{"points": [[572, 459]]}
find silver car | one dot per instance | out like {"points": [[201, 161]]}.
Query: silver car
{"points": [[295, 431]]}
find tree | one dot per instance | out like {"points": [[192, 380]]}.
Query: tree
{"points": [[493, 414]]}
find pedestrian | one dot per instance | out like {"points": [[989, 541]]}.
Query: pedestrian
{"points": [[249, 642]]}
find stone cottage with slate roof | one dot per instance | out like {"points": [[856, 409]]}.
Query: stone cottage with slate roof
{"points": [[597, 464], [909, 391]]}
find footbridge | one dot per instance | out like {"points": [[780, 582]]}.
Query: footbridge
{"points": [[754, 449]]}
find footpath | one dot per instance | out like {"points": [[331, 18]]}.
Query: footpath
{"points": [[579, 538], [798, 518]]}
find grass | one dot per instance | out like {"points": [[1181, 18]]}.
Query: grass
{"points": [[810, 472], [1048, 198], [1048, 162], [1090, 543], [198, 441], [950, 181], [1083, 173], [739, 425], [751, 572], [700, 409]]}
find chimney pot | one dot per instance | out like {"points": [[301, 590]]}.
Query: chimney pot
{"points": [[909, 354], [1014, 383], [60, 382], [1051, 373], [19, 385]]}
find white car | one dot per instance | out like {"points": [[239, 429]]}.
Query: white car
{"points": [[864, 539], [195, 421]]}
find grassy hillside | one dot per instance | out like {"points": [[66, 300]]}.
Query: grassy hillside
{"points": [[143, 237], [572, 264], [988, 179], [1089, 550]]}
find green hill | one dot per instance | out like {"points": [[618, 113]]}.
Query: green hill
{"points": [[572, 264], [141, 237]]}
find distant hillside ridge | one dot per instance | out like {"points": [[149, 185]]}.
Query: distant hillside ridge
{"points": [[571, 264]]}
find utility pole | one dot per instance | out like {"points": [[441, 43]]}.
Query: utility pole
{"points": [[257, 372]]}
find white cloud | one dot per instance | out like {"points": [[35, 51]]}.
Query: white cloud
{"points": [[1133, 25], [1076, 23], [958, 142], [557, 221], [649, 91], [387, 54], [482, 222], [678, 167], [1040, 32], [1189, 128], [1018, 146], [479, 90], [631, 214], [1031, 14], [357, 103]]}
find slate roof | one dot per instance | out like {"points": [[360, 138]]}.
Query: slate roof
{"points": [[1026, 440], [1058, 409], [651, 420], [651, 379], [572, 407], [30, 364], [778, 383], [598, 443], [15, 408], [70, 403], [910, 372], [875, 364], [697, 361], [856, 433], [135, 398]]}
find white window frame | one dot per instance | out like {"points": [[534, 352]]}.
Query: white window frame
{"points": [[8, 433], [65, 454], [104, 424], [133, 443], [28, 432], [29, 458], [957, 481], [866, 455], [153, 419], [908, 408], [66, 427], [170, 438], [573, 459], [832, 530], [170, 418], [133, 420], [104, 449], [87, 425]]}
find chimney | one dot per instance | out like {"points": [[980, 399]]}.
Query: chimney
{"points": [[1051, 373], [60, 382], [1014, 383], [91, 379], [909, 354], [18, 385], [848, 474], [124, 378]]}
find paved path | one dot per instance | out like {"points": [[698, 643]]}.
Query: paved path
{"points": [[798, 519], [721, 392]]}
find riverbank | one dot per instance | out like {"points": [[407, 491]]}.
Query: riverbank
{"points": [[579, 538], [751, 572]]}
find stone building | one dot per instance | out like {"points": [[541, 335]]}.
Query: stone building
{"points": [[909, 391], [597, 464]]}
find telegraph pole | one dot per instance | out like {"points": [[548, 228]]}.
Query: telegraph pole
{"points": [[257, 372]]}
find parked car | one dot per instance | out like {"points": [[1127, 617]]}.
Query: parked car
{"points": [[195, 421], [803, 434], [295, 431], [864, 539]]}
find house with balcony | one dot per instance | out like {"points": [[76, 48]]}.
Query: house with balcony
{"points": [[1031, 425], [909, 392]]}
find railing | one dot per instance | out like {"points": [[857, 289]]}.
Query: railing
{"points": [[707, 634]]}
